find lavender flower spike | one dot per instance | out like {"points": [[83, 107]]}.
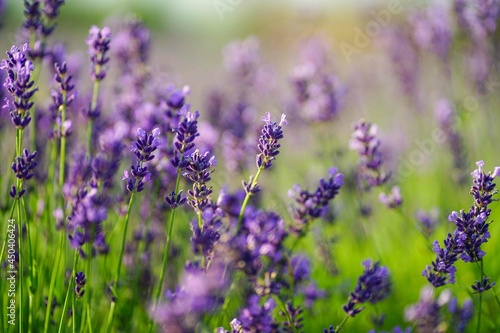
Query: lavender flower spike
{"points": [[98, 42], [142, 148], [268, 142], [364, 140], [19, 84], [373, 286]]}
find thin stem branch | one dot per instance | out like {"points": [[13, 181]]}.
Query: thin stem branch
{"points": [[247, 197], [120, 259], [166, 251]]}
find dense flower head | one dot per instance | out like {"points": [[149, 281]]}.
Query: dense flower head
{"points": [[143, 149], [80, 282], [186, 132], [51, 8], [19, 84], [483, 285], [32, 14], [145, 144], [198, 170], [204, 239], [364, 140], [268, 141], [199, 166], [311, 205], [478, 18], [442, 270], [136, 178], [85, 221], [198, 293], [62, 96], [24, 165], [472, 230], [98, 46], [256, 318], [432, 313], [373, 286]]}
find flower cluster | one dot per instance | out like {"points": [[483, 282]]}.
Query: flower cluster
{"points": [[85, 221], [198, 293], [429, 313], [186, 132], [310, 206], [472, 230], [373, 286], [80, 282], [317, 92], [19, 84], [98, 42], [207, 235], [62, 97], [364, 140], [198, 170], [268, 141], [39, 22], [23, 169], [142, 149]]}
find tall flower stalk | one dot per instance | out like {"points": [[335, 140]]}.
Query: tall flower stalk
{"points": [[268, 146], [19, 84], [472, 230], [98, 42], [186, 133], [143, 149]]}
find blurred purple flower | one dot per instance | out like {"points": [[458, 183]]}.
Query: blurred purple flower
{"points": [[393, 199], [19, 84], [364, 140], [432, 30], [98, 42], [310, 206], [256, 318]]}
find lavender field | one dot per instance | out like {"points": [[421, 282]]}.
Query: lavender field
{"points": [[231, 166]]}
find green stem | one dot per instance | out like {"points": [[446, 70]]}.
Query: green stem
{"points": [[93, 105], [4, 245], [21, 266], [479, 310], [247, 197], [62, 159], [32, 272], [287, 315], [120, 257], [53, 282], [50, 189], [68, 292], [87, 303], [166, 251], [339, 326]]}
